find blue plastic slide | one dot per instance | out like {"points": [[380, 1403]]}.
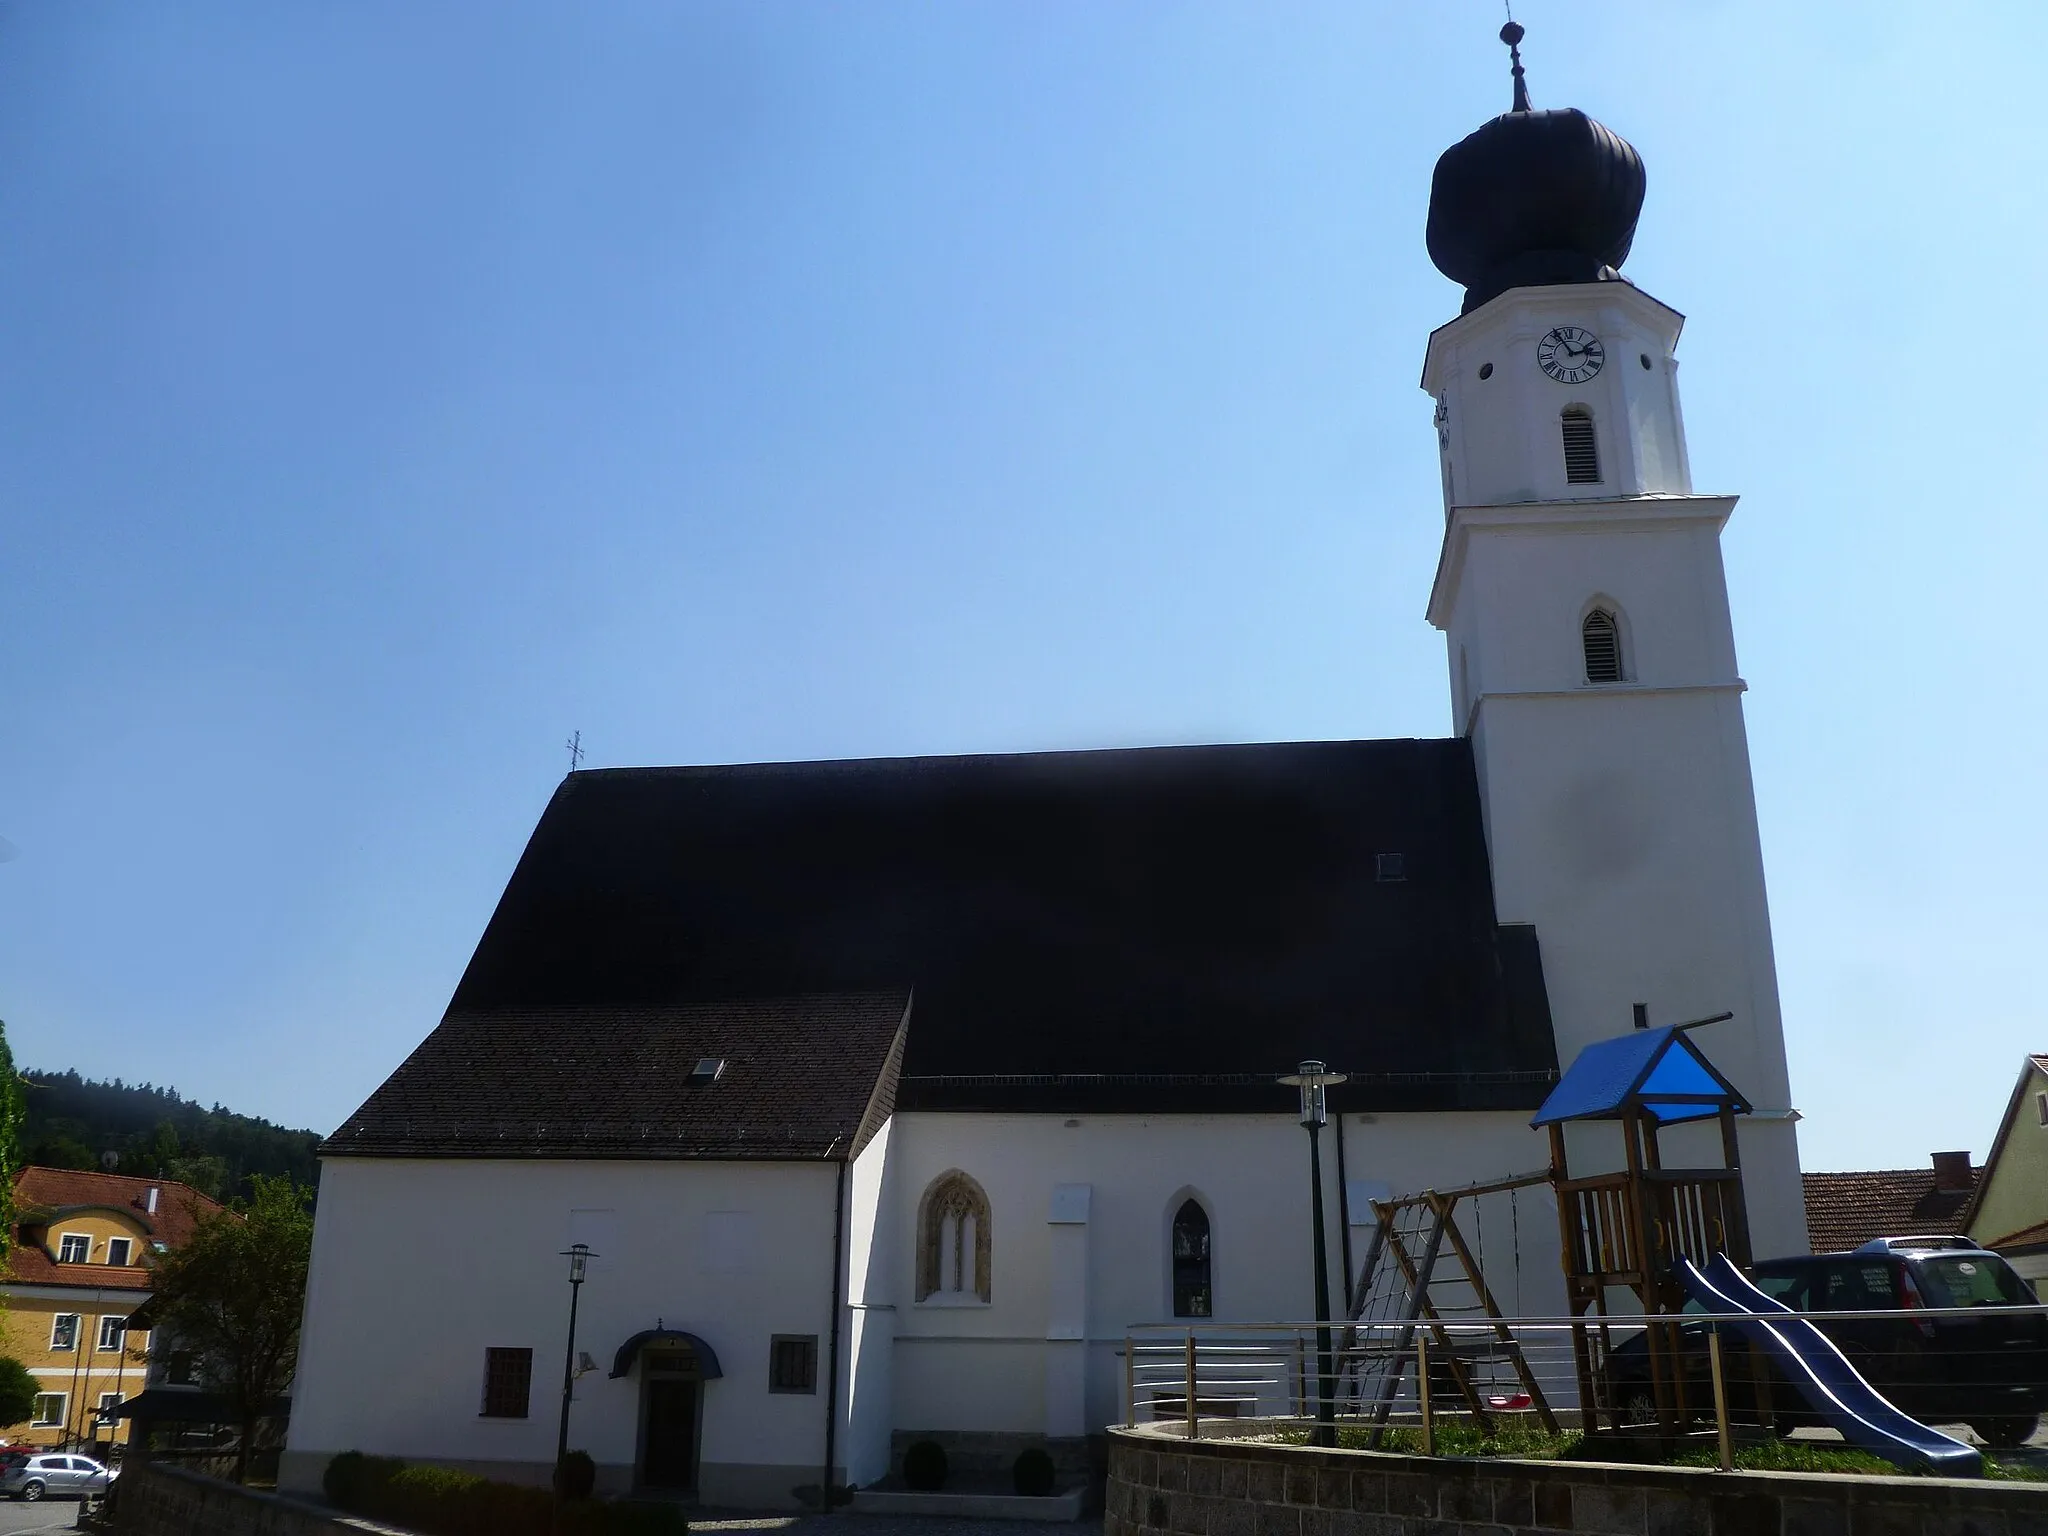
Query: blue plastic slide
{"points": [[1824, 1376]]}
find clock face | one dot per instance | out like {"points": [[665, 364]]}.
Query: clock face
{"points": [[1570, 354]]}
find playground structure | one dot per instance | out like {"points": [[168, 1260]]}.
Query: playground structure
{"points": [[1627, 1228]]}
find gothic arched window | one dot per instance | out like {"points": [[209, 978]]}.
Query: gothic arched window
{"points": [[1192, 1288], [1581, 453], [1601, 636], [953, 1240]]}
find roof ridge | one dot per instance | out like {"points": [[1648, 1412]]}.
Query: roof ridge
{"points": [[1043, 754]]}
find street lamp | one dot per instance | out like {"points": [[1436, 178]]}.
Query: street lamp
{"points": [[579, 1257], [1312, 1078]]}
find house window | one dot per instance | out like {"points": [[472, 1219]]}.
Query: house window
{"points": [[118, 1249], [793, 1362], [109, 1401], [64, 1331], [1581, 454], [112, 1331], [49, 1409], [2041, 1106], [75, 1248], [1600, 635], [1191, 1292], [1390, 867], [953, 1241], [181, 1369], [508, 1383]]}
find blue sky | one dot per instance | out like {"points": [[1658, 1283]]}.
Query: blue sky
{"points": [[387, 391]]}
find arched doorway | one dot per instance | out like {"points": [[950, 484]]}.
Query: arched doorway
{"points": [[673, 1369]]}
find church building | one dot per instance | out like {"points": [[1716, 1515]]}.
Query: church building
{"points": [[887, 1094]]}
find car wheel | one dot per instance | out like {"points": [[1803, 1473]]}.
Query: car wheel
{"points": [[32, 1490], [2007, 1430]]}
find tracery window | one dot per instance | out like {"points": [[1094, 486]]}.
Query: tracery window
{"points": [[953, 1241], [1192, 1292]]}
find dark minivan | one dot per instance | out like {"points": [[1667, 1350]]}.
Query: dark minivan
{"points": [[1990, 1373]]}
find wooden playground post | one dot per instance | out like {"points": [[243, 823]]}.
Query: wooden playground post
{"points": [[1527, 1377], [1720, 1399], [1422, 1393], [1567, 1247], [1425, 1310], [1638, 1191]]}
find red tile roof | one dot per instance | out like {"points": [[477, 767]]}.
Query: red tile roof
{"points": [[1845, 1209], [2035, 1236], [178, 1208]]}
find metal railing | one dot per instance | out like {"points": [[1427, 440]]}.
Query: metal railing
{"points": [[1402, 1381]]}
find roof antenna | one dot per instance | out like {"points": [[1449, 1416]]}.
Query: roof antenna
{"points": [[575, 746], [1511, 34]]}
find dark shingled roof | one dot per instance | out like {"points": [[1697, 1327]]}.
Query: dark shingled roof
{"points": [[1157, 929], [804, 1077], [1845, 1210]]}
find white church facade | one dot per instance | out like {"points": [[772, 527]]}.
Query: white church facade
{"points": [[889, 1094]]}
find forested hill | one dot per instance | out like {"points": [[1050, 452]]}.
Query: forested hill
{"points": [[72, 1122]]}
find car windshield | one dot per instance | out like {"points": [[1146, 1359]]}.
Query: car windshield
{"points": [[1978, 1281]]}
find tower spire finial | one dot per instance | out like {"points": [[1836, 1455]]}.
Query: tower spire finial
{"points": [[1511, 34]]}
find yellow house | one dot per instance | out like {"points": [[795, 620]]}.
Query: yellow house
{"points": [[78, 1268], [2010, 1210]]}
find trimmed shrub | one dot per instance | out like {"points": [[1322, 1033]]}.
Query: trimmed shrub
{"points": [[438, 1501], [342, 1482], [576, 1475], [924, 1466], [1033, 1474]]}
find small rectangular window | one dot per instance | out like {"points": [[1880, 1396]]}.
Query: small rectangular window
{"points": [[75, 1248], [112, 1330], [793, 1362], [2041, 1106], [49, 1409], [64, 1331], [508, 1383], [109, 1401], [180, 1369], [118, 1249], [1388, 867]]}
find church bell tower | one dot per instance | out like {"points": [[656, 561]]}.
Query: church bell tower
{"points": [[1581, 593]]}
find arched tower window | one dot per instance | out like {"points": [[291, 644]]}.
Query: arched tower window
{"points": [[1192, 1287], [1581, 453], [953, 1240], [1601, 636]]}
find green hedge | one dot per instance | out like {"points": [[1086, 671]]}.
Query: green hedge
{"points": [[442, 1502]]}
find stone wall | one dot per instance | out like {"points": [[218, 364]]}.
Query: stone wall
{"points": [[1162, 1485], [152, 1500]]}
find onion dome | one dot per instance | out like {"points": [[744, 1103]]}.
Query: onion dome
{"points": [[1533, 198]]}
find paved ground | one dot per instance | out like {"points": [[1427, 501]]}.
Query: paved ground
{"points": [[49, 1515], [712, 1522]]}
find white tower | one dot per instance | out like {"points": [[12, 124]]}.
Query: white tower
{"points": [[1582, 595]]}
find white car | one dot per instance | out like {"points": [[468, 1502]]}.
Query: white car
{"points": [[63, 1477]]}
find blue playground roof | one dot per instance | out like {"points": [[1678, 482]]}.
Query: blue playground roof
{"points": [[1657, 1071]]}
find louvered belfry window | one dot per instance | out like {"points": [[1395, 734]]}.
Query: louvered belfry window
{"points": [[1581, 454], [1602, 638]]}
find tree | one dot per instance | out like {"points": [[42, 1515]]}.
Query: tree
{"points": [[231, 1297], [18, 1392], [12, 1113]]}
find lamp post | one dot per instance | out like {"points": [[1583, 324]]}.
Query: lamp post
{"points": [[579, 1257], [1312, 1078]]}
